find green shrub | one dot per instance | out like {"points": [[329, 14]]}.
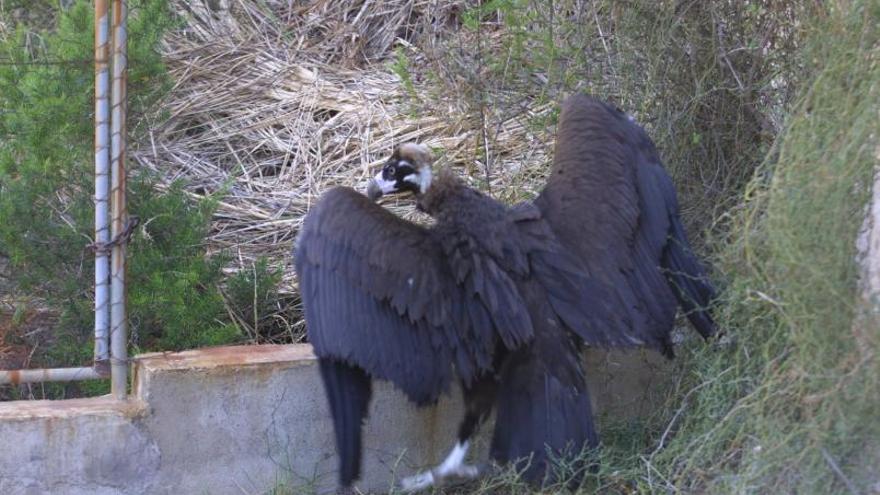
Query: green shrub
{"points": [[173, 287], [794, 398], [46, 189], [707, 79], [254, 303]]}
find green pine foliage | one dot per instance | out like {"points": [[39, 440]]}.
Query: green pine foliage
{"points": [[173, 288], [47, 187]]}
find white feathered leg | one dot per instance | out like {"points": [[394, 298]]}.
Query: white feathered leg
{"points": [[453, 465]]}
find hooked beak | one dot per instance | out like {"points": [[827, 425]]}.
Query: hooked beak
{"points": [[378, 186], [374, 192]]}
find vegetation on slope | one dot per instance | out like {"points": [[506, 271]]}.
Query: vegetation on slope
{"points": [[791, 404]]}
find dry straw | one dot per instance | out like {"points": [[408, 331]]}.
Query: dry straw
{"points": [[275, 102]]}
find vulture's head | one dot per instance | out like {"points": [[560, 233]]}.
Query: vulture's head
{"points": [[408, 170]]}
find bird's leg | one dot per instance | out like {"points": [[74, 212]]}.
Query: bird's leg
{"points": [[452, 466], [479, 399]]}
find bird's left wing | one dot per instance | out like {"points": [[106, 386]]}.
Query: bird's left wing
{"points": [[378, 294]]}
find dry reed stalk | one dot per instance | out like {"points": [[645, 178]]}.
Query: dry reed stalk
{"points": [[274, 102]]}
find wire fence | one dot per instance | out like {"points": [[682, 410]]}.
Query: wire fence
{"points": [[113, 228]]}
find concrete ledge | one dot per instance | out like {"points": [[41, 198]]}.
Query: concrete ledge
{"points": [[29, 410], [242, 419], [227, 357], [233, 418], [75, 446]]}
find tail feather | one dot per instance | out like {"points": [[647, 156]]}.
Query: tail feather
{"points": [[348, 390], [666, 239], [689, 280], [544, 421]]}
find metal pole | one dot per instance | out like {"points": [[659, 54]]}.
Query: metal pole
{"points": [[119, 332], [102, 223], [17, 377], [102, 182]]}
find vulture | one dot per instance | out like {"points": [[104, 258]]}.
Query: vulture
{"points": [[501, 298]]}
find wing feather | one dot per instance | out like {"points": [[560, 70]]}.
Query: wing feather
{"points": [[608, 201], [585, 303], [381, 293], [544, 416]]}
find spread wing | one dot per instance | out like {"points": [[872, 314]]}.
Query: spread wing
{"points": [[588, 306], [379, 293], [612, 205]]}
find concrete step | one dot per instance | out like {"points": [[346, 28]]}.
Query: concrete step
{"points": [[244, 419]]}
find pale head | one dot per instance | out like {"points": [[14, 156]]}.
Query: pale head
{"points": [[407, 170]]}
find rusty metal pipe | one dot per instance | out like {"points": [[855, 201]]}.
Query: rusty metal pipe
{"points": [[102, 181], [16, 377], [109, 166], [118, 327]]}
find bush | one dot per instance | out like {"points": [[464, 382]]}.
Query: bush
{"points": [[710, 80], [254, 302], [791, 405], [46, 188]]}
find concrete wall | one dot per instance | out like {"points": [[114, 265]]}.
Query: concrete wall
{"points": [[242, 420]]}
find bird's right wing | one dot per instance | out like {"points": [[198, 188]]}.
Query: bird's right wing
{"points": [[613, 206], [586, 304], [379, 293], [590, 198], [593, 203]]}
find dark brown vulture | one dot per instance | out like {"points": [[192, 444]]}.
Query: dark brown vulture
{"points": [[501, 297]]}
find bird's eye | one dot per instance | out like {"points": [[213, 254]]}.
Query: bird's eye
{"points": [[390, 170]]}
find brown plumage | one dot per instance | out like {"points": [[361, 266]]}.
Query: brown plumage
{"points": [[504, 297]]}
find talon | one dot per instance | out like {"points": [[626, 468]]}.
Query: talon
{"points": [[452, 466], [417, 482], [467, 471]]}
